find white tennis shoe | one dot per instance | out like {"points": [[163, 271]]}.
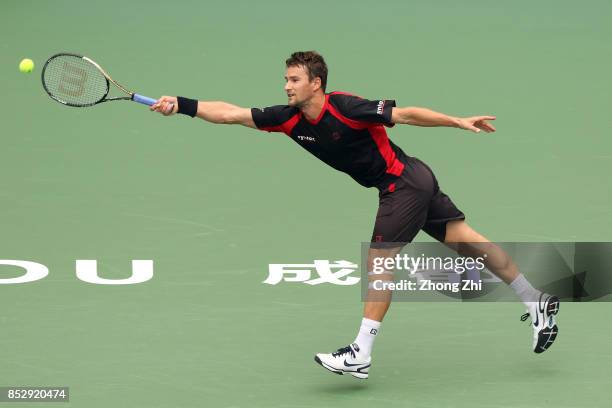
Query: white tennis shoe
{"points": [[542, 315], [346, 360]]}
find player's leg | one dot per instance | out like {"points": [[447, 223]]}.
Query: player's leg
{"points": [[402, 213], [541, 307], [355, 359], [377, 302], [467, 242], [446, 223]]}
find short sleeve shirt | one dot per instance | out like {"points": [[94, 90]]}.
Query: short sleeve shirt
{"points": [[349, 135]]}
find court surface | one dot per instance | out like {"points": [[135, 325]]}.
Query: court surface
{"points": [[213, 206]]}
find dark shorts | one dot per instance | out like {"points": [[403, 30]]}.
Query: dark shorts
{"points": [[413, 202]]}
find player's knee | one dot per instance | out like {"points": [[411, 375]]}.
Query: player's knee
{"points": [[457, 231], [470, 249], [380, 259], [460, 231], [493, 256]]}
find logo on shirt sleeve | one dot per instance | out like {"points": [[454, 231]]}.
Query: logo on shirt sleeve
{"points": [[380, 107]]}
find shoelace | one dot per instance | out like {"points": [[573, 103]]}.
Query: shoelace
{"points": [[344, 350], [524, 317]]}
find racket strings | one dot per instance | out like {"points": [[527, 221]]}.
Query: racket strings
{"points": [[74, 81]]}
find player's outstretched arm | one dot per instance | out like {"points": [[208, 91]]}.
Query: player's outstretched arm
{"points": [[426, 117], [214, 112]]}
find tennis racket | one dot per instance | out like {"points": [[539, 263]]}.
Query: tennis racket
{"points": [[75, 80]]}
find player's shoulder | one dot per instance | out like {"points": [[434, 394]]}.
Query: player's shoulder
{"points": [[278, 108], [338, 96], [273, 115], [343, 101], [281, 111]]}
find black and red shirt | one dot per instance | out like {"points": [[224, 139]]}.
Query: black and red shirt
{"points": [[349, 135]]}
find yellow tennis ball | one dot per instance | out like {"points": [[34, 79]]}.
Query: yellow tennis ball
{"points": [[26, 65]]}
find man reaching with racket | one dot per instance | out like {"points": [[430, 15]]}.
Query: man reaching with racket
{"points": [[348, 133]]}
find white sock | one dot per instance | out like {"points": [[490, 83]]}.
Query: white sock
{"points": [[366, 336], [524, 290]]}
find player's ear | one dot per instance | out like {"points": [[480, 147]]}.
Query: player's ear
{"points": [[316, 83]]}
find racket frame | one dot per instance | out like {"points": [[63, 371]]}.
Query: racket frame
{"points": [[131, 95]]}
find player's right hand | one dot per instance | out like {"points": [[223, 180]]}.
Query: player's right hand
{"points": [[166, 105]]}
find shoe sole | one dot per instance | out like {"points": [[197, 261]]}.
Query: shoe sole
{"points": [[547, 335], [361, 376]]}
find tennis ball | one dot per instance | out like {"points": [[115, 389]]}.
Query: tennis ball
{"points": [[26, 65]]}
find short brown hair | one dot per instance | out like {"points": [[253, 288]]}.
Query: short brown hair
{"points": [[313, 62]]}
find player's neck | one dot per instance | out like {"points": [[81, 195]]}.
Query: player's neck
{"points": [[313, 108]]}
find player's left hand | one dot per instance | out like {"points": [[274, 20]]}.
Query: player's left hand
{"points": [[477, 123]]}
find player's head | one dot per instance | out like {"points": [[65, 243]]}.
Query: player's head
{"points": [[306, 76]]}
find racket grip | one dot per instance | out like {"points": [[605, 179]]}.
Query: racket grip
{"points": [[143, 99]]}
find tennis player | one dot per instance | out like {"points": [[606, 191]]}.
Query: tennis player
{"points": [[348, 133]]}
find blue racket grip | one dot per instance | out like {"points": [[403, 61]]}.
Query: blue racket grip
{"points": [[143, 99]]}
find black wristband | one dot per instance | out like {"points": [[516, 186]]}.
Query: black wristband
{"points": [[187, 106]]}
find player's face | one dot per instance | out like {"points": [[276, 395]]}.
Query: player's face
{"points": [[298, 87]]}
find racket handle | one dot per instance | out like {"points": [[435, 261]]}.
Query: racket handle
{"points": [[143, 99]]}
